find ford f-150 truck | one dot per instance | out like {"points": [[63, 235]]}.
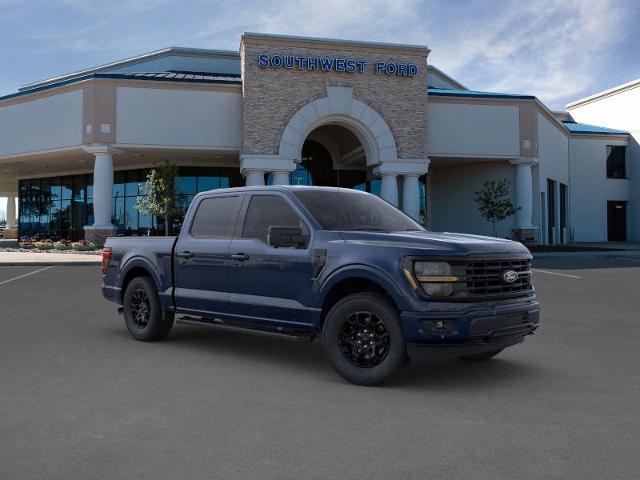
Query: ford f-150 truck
{"points": [[301, 262]]}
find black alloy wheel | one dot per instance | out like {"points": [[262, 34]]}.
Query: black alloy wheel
{"points": [[364, 340], [140, 308], [144, 316]]}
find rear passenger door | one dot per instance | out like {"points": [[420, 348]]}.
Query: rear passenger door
{"points": [[202, 256], [267, 284]]}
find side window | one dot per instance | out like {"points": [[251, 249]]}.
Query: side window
{"points": [[269, 210], [616, 161], [216, 217]]}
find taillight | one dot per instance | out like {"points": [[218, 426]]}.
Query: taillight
{"points": [[106, 259]]}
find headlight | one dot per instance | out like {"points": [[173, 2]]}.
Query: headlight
{"points": [[435, 278]]}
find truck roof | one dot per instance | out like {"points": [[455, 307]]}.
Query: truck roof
{"points": [[281, 188]]}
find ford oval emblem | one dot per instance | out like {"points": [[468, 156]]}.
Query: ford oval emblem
{"points": [[509, 276]]}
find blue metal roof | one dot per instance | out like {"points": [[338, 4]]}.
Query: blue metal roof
{"points": [[175, 75], [575, 127], [188, 77], [445, 92]]}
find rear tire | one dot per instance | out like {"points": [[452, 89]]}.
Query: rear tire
{"points": [[480, 357], [362, 338], [143, 314]]}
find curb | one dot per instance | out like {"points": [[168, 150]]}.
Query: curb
{"points": [[598, 254], [49, 264]]}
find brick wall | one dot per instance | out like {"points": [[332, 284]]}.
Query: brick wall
{"points": [[271, 96]]}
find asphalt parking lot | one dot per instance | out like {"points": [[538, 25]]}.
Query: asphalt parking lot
{"points": [[80, 399]]}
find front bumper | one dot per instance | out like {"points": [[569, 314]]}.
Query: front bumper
{"points": [[472, 327]]}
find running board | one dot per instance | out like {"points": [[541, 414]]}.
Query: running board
{"points": [[220, 325]]}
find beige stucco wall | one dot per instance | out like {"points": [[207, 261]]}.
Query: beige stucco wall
{"points": [[178, 117], [452, 196], [272, 96], [44, 123], [473, 129]]}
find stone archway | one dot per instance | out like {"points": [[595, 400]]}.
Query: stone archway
{"points": [[340, 108]]}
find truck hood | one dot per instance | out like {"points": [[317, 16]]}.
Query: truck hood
{"points": [[436, 243]]}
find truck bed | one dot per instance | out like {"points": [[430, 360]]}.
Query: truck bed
{"points": [[154, 254]]}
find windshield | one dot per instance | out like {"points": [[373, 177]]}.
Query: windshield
{"points": [[349, 210]]}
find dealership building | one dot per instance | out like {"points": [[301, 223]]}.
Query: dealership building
{"points": [[75, 149]]}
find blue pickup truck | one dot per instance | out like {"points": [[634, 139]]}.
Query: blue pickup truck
{"points": [[301, 262]]}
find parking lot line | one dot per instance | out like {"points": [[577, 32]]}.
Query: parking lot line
{"points": [[25, 275], [555, 273]]}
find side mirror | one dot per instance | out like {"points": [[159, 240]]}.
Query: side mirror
{"points": [[286, 237]]}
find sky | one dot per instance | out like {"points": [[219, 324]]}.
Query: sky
{"points": [[558, 50]]}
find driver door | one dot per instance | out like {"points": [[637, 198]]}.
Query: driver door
{"points": [[268, 284]]}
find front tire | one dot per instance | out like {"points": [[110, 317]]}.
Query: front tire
{"points": [[363, 340], [143, 314]]}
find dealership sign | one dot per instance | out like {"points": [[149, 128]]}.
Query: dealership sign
{"points": [[335, 64]]}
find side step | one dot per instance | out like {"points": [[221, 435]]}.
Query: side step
{"points": [[253, 330]]}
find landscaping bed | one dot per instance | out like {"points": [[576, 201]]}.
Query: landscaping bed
{"points": [[51, 246]]}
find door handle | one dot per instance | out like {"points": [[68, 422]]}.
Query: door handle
{"points": [[185, 255], [241, 257]]}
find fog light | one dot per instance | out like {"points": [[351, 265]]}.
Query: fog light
{"points": [[437, 289], [437, 326]]}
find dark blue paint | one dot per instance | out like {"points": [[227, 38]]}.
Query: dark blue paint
{"points": [[276, 286]]}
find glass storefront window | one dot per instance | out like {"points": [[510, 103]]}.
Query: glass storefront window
{"points": [[60, 207], [131, 185], [118, 184], [186, 185], [208, 183], [67, 188], [130, 215]]}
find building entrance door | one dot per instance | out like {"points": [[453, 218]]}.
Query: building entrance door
{"points": [[617, 221], [551, 212]]}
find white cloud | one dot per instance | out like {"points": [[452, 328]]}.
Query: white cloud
{"points": [[349, 19], [548, 48], [555, 50]]}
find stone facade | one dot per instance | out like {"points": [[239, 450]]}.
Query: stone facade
{"points": [[98, 235], [272, 96], [10, 233], [525, 235]]}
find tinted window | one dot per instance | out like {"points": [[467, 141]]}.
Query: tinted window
{"points": [[616, 167], [269, 210], [216, 217], [349, 210]]}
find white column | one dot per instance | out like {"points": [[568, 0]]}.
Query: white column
{"points": [[389, 188], [11, 212], [254, 178], [102, 190], [280, 178], [524, 192], [411, 195]]}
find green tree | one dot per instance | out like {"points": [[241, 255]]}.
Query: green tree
{"points": [[494, 203], [160, 199]]}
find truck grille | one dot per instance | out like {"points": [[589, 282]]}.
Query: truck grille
{"points": [[485, 277], [504, 325]]}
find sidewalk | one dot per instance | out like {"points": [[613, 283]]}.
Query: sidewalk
{"points": [[612, 253], [621, 249], [37, 259]]}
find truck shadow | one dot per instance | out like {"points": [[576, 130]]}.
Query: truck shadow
{"points": [[455, 374], [309, 360]]}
